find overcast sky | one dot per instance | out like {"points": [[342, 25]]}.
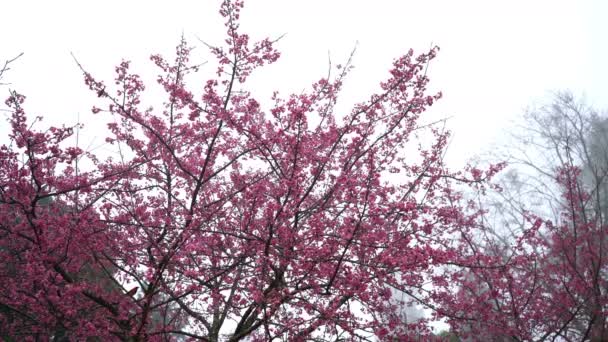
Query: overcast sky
{"points": [[496, 57]]}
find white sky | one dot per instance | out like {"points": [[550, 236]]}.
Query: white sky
{"points": [[496, 57]]}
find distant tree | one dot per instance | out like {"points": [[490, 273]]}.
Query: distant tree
{"points": [[6, 67], [541, 264]]}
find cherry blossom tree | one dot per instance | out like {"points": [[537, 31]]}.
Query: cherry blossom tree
{"points": [[220, 218]]}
